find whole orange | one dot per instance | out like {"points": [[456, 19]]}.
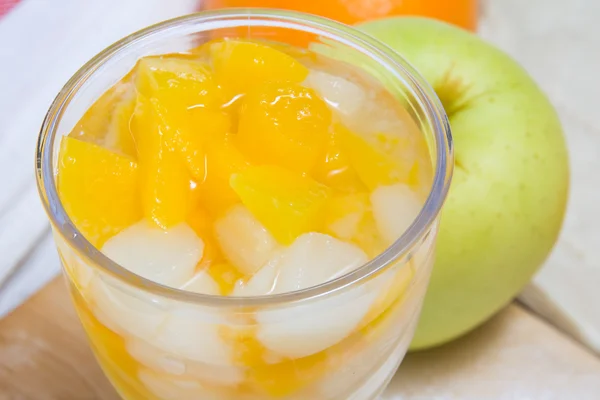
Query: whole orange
{"points": [[462, 13]]}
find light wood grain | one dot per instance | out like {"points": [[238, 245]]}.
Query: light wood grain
{"points": [[515, 356], [44, 356]]}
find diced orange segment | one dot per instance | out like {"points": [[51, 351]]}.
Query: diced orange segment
{"points": [[119, 135], [241, 66], [284, 378], [284, 124], [194, 127], [165, 180], [334, 168], [374, 167], [368, 237], [349, 217], [190, 127], [201, 222], [226, 276], [247, 349], [291, 376], [285, 202], [223, 160], [344, 213], [97, 120], [98, 188], [182, 82], [111, 352]]}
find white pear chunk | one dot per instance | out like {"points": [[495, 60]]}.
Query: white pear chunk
{"points": [[168, 257], [344, 96], [358, 107], [303, 329], [226, 375], [263, 282], [315, 258], [161, 361], [203, 283], [84, 273], [193, 332], [124, 309], [81, 273], [395, 207], [155, 359], [245, 242]]}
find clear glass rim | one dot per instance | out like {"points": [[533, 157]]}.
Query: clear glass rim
{"points": [[393, 62]]}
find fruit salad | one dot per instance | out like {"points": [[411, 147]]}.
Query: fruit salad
{"points": [[245, 169]]}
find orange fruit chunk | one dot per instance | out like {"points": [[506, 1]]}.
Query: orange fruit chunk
{"points": [[98, 188], [241, 65], [190, 125], [349, 217], [285, 124], [291, 376], [118, 136], [111, 352], [193, 129], [334, 168], [223, 159], [344, 213], [165, 180], [180, 82], [285, 378], [201, 222], [96, 122], [368, 237], [286, 203], [374, 167], [226, 276]]}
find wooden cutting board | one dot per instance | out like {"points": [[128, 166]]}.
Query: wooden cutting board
{"points": [[44, 356]]}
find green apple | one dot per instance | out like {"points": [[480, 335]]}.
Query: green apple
{"points": [[509, 192]]}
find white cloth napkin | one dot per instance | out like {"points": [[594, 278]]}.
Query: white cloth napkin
{"points": [[42, 43]]}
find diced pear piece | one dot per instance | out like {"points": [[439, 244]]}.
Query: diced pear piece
{"points": [[344, 96], [161, 361], [124, 309], [168, 257], [301, 330], [193, 332], [395, 207], [245, 242], [203, 283]]}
